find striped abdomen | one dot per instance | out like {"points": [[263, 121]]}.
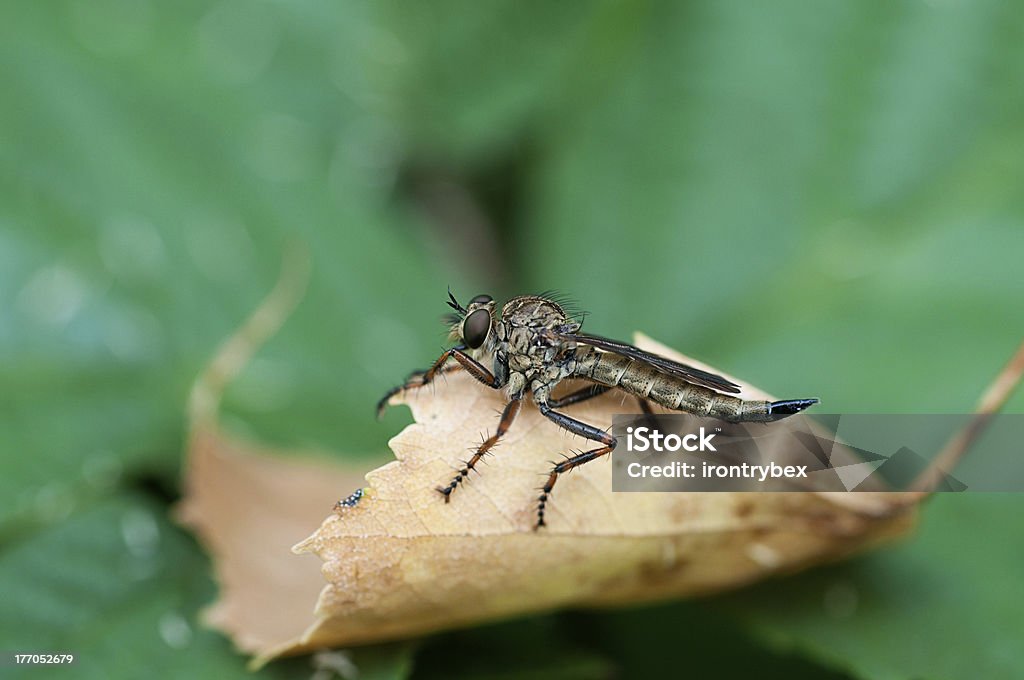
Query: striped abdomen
{"points": [[646, 382]]}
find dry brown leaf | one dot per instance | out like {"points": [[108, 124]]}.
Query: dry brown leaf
{"points": [[249, 505], [401, 562]]}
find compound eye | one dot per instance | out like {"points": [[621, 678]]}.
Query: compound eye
{"points": [[475, 328], [481, 300]]}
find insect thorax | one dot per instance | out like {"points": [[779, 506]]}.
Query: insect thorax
{"points": [[529, 337]]}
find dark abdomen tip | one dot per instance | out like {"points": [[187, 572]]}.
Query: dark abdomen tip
{"points": [[780, 409]]}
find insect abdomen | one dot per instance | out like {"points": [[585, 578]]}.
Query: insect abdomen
{"points": [[679, 395], [671, 392], [602, 367]]}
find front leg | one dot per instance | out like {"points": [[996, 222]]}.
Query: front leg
{"points": [[422, 378], [576, 427]]}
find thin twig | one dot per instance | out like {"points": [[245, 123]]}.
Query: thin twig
{"points": [[235, 352], [991, 402]]}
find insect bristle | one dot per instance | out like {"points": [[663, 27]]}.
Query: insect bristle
{"points": [[568, 303]]}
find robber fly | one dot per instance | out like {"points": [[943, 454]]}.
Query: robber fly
{"points": [[534, 344]]}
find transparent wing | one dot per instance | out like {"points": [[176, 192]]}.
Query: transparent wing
{"points": [[663, 365]]}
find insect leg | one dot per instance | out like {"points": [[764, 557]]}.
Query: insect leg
{"points": [[415, 379], [576, 427], [475, 368], [507, 416], [421, 378], [588, 392]]}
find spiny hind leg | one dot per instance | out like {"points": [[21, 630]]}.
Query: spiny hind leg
{"points": [[576, 427], [565, 466], [507, 416]]}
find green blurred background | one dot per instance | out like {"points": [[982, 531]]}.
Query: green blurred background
{"points": [[823, 198]]}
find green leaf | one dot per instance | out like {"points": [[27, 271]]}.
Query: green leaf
{"points": [[121, 588], [117, 586], [537, 648], [943, 605], [824, 200], [815, 199]]}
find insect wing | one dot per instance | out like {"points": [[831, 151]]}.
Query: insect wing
{"points": [[687, 373]]}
